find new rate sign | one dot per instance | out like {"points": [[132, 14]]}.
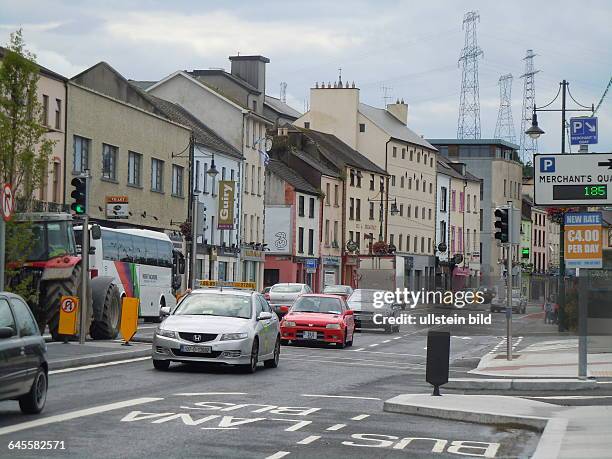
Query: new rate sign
{"points": [[583, 244]]}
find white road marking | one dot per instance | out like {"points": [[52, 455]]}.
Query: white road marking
{"points": [[336, 427], [309, 440], [569, 397], [373, 345], [340, 396], [398, 337], [76, 414], [190, 394], [357, 350], [278, 455], [360, 417], [387, 341], [604, 382], [387, 353], [98, 365]]}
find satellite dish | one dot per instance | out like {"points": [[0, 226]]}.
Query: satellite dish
{"points": [[268, 144]]}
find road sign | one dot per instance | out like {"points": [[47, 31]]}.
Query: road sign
{"points": [[311, 263], [69, 306], [573, 179], [583, 130], [583, 240], [8, 202], [129, 317]]}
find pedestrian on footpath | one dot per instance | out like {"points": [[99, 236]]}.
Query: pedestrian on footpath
{"points": [[548, 311]]}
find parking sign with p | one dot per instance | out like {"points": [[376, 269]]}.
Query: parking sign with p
{"points": [[547, 164]]}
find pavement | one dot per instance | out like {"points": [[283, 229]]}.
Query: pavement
{"points": [[566, 432], [72, 354]]}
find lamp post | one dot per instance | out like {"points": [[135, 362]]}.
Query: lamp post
{"points": [[535, 132]]}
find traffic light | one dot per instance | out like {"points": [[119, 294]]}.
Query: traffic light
{"points": [[79, 194], [501, 224]]}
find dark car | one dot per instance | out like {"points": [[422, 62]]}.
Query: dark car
{"points": [[367, 315], [23, 361]]}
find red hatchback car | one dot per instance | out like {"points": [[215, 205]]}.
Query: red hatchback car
{"points": [[319, 318]]}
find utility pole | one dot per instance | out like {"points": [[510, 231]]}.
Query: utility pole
{"points": [[509, 283], [468, 126], [194, 241], [504, 129]]}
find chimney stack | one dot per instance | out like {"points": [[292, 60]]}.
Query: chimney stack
{"points": [[399, 110]]}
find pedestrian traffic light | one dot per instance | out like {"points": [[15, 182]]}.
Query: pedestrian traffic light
{"points": [[79, 194], [501, 224]]}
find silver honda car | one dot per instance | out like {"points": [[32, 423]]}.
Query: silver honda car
{"points": [[214, 325]]}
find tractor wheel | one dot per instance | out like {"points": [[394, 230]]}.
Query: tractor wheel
{"points": [[108, 326], [51, 295]]}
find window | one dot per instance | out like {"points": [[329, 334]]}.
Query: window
{"points": [[258, 180], [468, 203], [402, 181], [361, 127], [254, 105], [254, 135], [372, 182], [401, 210], [504, 187], [252, 180], [327, 192], [301, 206], [443, 199], [415, 246], [248, 133], [443, 231], [419, 157], [391, 239], [25, 322], [57, 181], [326, 232], [134, 168], [336, 195], [431, 162], [352, 172], [58, 114], [429, 245], [461, 201], [410, 183], [246, 178], [403, 153], [372, 211], [6, 316], [358, 210], [429, 212], [223, 173], [452, 240], [453, 201], [177, 180], [252, 226], [430, 188], [399, 243], [409, 211], [460, 237], [358, 239], [423, 213], [109, 162], [422, 245], [475, 204], [359, 179], [311, 208], [395, 152], [416, 211], [467, 240], [44, 116], [196, 176], [301, 240], [335, 231], [257, 231], [351, 236], [411, 155], [80, 160], [310, 242], [352, 209], [157, 175]]}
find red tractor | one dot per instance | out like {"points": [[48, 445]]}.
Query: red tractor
{"points": [[54, 269]]}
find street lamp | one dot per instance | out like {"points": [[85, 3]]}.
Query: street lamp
{"points": [[212, 172], [534, 132]]}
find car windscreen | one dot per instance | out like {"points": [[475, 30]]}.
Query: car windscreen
{"points": [[317, 304], [336, 289], [362, 300], [286, 289], [215, 304]]}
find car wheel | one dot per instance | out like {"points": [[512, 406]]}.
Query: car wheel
{"points": [[161, 364], [388, 329], [34, 401], [273, 362], [350, 343], [342, 345], [396, 329], [252, 366]]}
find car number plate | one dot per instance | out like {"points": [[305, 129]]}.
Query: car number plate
{"points": [[198, 349], [310, 335]]}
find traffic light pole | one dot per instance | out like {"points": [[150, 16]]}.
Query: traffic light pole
{"points": [[85, 265], [509, 285]]}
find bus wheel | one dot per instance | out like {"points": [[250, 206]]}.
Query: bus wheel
{"points": [[107, 325]]}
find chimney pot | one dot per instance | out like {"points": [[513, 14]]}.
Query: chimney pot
{"points": [[317, 85], [328, 84], [353, 85], [346, 85]]}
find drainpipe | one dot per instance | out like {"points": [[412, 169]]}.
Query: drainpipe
{"points": [[64, 172]]}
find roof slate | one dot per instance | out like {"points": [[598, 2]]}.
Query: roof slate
{"points": [[281, 107], [290, 176], [392, 126], [339, 153]]}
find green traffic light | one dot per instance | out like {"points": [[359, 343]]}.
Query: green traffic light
{"points": [[79, 209]]}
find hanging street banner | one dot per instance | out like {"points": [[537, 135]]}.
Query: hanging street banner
{"points": [[572, 179], [583, 240], [226, 205]]}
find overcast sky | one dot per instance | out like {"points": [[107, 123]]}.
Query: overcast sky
{"points": [[411, 47]]}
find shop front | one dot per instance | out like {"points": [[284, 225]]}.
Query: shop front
{"points": [[279, 269], [252, 261], [308, 272], [331, 270]]}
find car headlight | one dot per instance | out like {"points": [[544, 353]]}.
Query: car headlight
{"points": [[233, 336], [166, 333], [288, 323], [334, 326]]}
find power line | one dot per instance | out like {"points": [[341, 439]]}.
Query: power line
{"points": [[468, 126], [603, 96]]}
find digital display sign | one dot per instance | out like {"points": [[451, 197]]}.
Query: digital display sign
{"points": [[580, 192]]}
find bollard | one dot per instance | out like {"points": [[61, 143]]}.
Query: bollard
{"points": [[438, 354]]}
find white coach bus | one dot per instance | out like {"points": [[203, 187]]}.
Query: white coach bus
{"points": [[142, 263]]}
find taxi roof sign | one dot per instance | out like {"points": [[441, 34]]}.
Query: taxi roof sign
{"points": [[242, 285]]}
